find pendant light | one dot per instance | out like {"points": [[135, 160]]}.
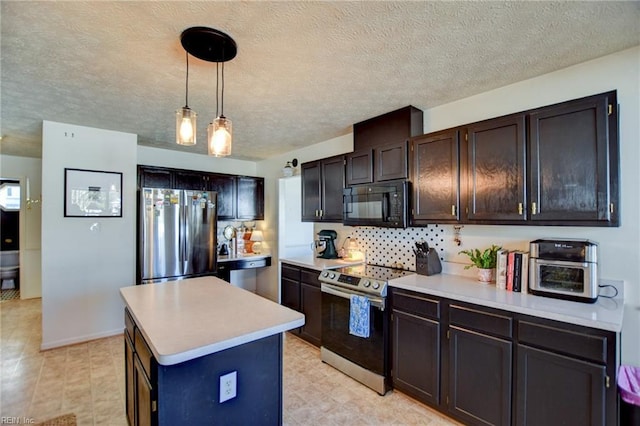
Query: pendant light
{"points": [[186, 118], [212, 45], [219, 132]]}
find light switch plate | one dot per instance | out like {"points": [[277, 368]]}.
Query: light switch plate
{"points": [[228, 386]]}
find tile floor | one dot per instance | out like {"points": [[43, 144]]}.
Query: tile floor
{"points": [[88, 380]]}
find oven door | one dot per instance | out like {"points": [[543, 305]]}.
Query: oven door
{"points": [[369, 353]]}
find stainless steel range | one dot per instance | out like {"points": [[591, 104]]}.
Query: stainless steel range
{"points": [[355, 322]]}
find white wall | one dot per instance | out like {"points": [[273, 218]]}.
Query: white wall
{"points": [[83, 269], [167, 158], [27, 170]]}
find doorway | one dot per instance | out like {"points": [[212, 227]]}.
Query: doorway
{"points": [[9, 239]]}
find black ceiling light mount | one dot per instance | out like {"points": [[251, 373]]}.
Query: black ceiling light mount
{"points": [[212, 45], [208, 44]]}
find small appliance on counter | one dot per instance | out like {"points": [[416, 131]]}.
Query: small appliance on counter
{"points": [[326, 239], [564, 269]]}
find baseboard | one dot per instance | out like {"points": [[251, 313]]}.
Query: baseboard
{"points": [[81, 339]]}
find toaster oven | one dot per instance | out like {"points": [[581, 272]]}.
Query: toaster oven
{"points": [[564, 269]]}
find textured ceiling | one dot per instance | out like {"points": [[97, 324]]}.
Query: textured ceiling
{"points": [[304, 73]]}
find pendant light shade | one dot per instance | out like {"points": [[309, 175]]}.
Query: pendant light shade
{"points": [[209, 45], [219, 134], [186, 118], [186, 121]]}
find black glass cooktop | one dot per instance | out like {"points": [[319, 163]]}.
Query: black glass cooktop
{"points": [[381, 273]]}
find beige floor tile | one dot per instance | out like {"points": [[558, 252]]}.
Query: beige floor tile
{"points": [[88, 380]]}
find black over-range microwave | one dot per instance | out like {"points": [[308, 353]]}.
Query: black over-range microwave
{"points": [[383, 204]]}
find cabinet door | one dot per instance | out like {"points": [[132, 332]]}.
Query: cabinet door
{"points": [[150, 177], [479, 378], [190, 180], [555, 389], [311, 299], [391, 162], [332, 185], [496, 170], [145, 403], [416, 356], [435, 176], [225, 187], [311, 173], [359, 168], [570, 149], [250, 198], [129, 379]]}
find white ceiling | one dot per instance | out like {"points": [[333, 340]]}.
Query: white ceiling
{"points": [[304, 73]]}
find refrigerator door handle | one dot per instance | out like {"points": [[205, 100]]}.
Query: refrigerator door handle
{"points": [[183, 229]]}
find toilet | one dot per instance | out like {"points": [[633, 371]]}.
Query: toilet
{"points": [[9, 269]]}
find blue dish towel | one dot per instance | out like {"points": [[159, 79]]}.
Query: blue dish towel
{"points": [[359, 316]]}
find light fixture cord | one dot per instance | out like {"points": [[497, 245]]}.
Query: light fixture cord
{"points": [[222, 93], [186, 90], [217, 91]]}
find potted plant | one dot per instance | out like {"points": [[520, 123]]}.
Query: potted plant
{"points": [[485, 261]]}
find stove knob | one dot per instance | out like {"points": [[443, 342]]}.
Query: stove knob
{"points": [[376, 285], [325, 274], [366, 283], [332, 275]]}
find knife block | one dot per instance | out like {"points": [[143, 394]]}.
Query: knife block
{"points": [[430, 264]]}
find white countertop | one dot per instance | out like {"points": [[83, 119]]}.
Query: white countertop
{"points": [[318, 263], [605, 314], [251, 256], [183, 320]]}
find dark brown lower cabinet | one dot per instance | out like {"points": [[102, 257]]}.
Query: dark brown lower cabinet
{"points": [[556, 389], [300, 290], [416, 359], [484, 366], [129, 379], [479, 378], [143, 396]]}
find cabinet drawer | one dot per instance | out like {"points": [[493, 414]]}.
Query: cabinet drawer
{"points": [[565, 341], [143, 351], [291, 272], [310, 276], [416, 304], [487, 322], [128, 324]]}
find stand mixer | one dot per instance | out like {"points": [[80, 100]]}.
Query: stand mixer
{"points": [[326, 238]]}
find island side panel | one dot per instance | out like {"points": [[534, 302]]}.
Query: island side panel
{"points": [[189, 391]]}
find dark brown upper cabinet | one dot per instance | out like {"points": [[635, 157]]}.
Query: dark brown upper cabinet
{"points": [[391, 161], [573, 149], [322, 185], [435, 175], [151, 177], [225, 186], [250, 198], [392, 127], [496, 170], [239, 197], [359, 167], [381, 146]]}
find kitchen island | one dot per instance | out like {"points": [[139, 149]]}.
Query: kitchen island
{"points": [[200, 351]]}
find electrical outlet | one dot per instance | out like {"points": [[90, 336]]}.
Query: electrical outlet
{"points": [[228, 386]]}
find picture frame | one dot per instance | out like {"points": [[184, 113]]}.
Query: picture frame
{"points": [[92, 193]]}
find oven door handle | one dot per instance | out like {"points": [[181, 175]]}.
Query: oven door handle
{"points": [[378, 302]]}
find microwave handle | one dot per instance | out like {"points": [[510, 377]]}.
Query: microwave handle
{"points": [[385, 207]]}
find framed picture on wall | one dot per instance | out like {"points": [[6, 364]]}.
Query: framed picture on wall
{"points": [[91, 193]]}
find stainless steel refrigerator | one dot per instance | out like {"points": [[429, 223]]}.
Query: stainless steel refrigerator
{"points": [[177, 234]]}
